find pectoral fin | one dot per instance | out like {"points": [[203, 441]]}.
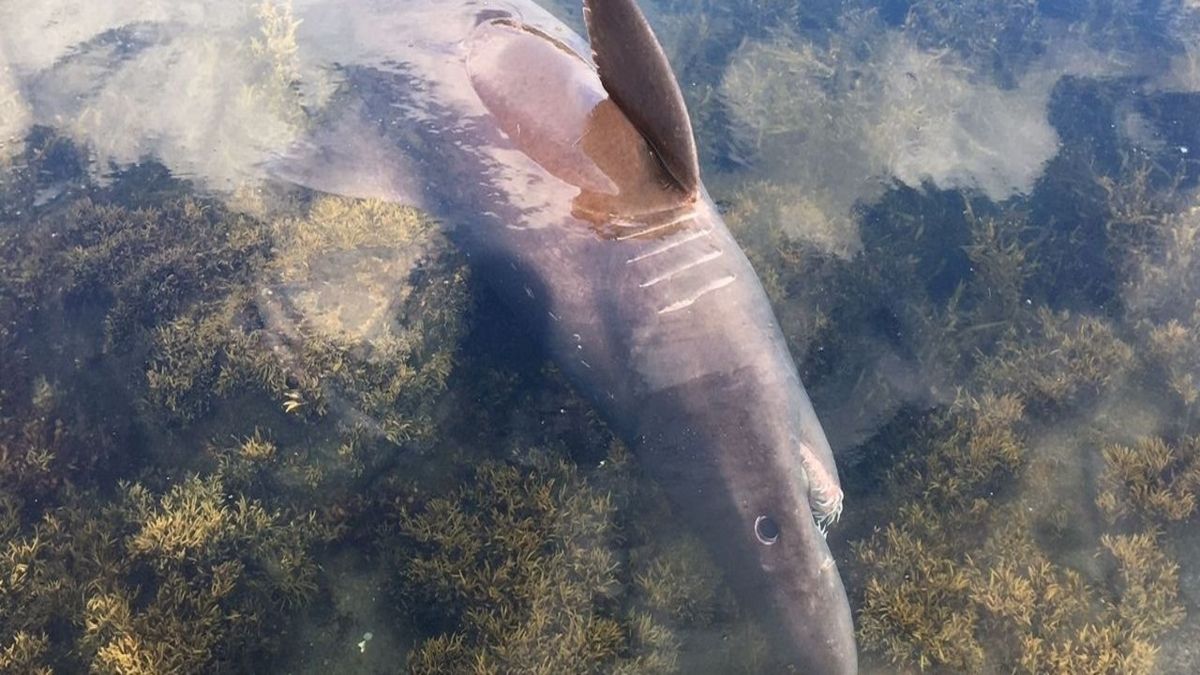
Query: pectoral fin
{"points": [[358, 147]]}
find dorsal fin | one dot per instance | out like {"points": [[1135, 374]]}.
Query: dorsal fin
{"points": [[636, 74]]}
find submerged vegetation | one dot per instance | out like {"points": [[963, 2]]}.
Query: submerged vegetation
{"points": [[978, 225], [523, 563], [960, 581], [139, 537], [183, 581]]}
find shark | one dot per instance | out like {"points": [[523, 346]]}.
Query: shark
{"points": [[567, 172]]}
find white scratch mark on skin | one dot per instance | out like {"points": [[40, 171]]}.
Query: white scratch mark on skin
{"points": [[586, 364], [529, 292], [711, 255], [667, 247], [708, 288], [651, 230], [553, 316]]}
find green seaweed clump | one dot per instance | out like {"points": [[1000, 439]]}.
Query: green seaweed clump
{"points": [[183, 581], [1062, 361], [363, 312], [1148, 585], [335, 304], [152, 264], [223, 570], [519, 566], [987, 306], [32, 593], [1174, 347], [1001, 604], [32, 447], [1002, 37], [1161, 292], [957, 582], [916, 608], [967, 454], [1155, 245], [766, 219], [133, 341], [1152, 482], [24, 654], [681, 583]]}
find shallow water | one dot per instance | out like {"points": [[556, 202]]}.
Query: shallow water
{"points": [[247, 425]]}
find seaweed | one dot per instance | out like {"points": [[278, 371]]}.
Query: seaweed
{"points": [[177, 582], [221, 570], [681, 584], [1002, 39], [25, 654], [957, 582], [1154, 240], [1061, 361], [519, 566], [1173, 346], [148, 265], [383, 358], [1152, 482], [157, 325]]}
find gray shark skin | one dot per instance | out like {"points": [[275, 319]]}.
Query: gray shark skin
{"points": [[568, 175]]}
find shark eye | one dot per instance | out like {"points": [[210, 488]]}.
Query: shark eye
{"points": [[766, 530]]}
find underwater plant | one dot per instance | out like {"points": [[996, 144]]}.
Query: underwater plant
{"points": [[966, 453], [681, 583], [519, 566], [181, 581], [363, 311], [24, 654], [1060, 361], [222, 569], [958, 582], [1176, 350], [1160, 255], [151, 265], [276, 52], [783, 234], [1158, 251], [1152, 482], [155, 324], [1000, 38]]}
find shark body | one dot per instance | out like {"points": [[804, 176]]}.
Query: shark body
{"points": [[568, 174]]}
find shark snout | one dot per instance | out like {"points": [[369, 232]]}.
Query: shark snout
{"points": [[817, 631], [812, 630]]}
